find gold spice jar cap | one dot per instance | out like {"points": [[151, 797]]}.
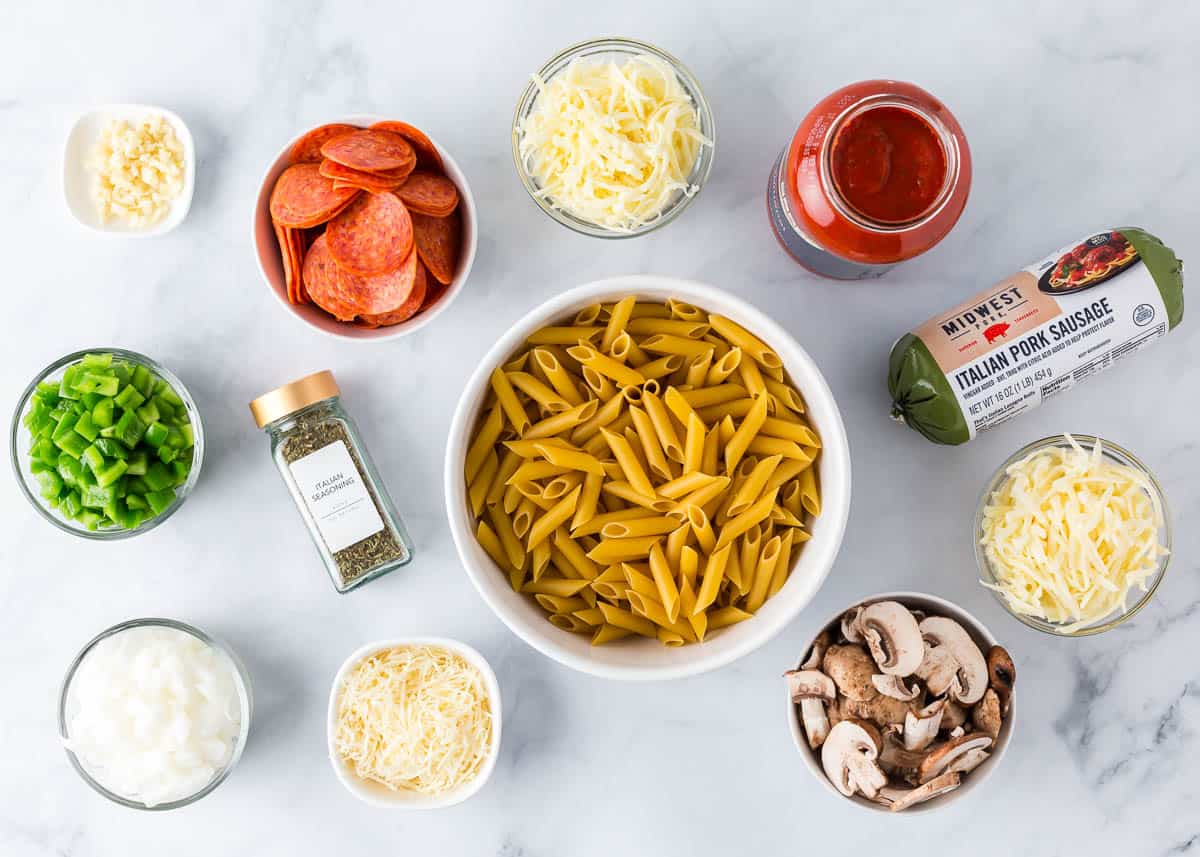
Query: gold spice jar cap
{"points": [[293, 397]]}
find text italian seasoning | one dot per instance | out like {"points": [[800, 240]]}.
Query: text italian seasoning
{"points": [[318, 451]]}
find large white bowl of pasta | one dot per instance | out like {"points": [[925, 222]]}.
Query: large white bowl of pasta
{"points": [[647, 478]]}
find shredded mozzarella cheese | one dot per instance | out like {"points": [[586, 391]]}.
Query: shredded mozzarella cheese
{"points": [[613, 145], [415, 718], [139, 170], [1070, 533]]}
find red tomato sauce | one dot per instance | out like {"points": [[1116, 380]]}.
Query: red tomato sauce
{"points": [[888, 164]]}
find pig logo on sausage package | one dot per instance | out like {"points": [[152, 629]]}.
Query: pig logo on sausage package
{"points": [[1045, 328]]}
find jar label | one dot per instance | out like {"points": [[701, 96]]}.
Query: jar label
{"points": [[802, 248], [1046, 328], [335, 496]]}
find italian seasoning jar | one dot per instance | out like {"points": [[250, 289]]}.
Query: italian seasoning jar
{"points": [[323, 461]]}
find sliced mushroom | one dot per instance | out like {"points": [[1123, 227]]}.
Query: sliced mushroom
{"points": [[921, 727], [851, 630], [833, 711], [1001, 675], [851, 669], [893, 636], [881, 710], [893, 686], [896, 760], [849, 757], [941, 757], [813, 714], [953, 716], [937, 670], [971, 674], [810, 684], [957, 732], [968, 761], [986, 713], [898, 799]]}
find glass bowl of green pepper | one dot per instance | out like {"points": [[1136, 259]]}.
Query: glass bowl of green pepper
{"points": [[106, 443]]}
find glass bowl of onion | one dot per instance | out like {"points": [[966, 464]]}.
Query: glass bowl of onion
{"points": [[1072, 535], [154, 713], [613, 138]]}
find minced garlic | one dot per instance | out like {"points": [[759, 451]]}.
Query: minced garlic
{"points": [[139, 171]]}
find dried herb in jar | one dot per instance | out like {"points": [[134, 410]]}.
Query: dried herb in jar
{"points": [[333, 480]]}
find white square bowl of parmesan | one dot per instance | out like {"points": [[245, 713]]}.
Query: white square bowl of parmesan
{"points": [[129, 170], [414, 723]]}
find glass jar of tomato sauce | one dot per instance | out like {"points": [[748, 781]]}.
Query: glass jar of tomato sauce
{"points": [[878, 172]]}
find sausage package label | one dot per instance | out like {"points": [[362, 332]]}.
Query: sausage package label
{"points": [[1046, 328], [335, 496]]}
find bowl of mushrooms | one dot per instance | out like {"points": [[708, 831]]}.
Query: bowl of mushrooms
{"points": [[904, 702]]}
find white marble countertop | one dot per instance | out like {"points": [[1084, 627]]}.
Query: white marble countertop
{"points": [[1077, 120]]}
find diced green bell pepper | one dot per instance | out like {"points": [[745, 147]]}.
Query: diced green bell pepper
{"points": [[89, 400], [71, 505], [129, 398], [111, 448], [50, 483], [137, 462], [98, 361], [167, 453], [102, 412], [97, 497], [92, 382], [66, 387], [156, 434], [157, 476], [160, 500], [69, 469], [180, 468], [85, 427], [90, 520], [94, 459], [143, 380], [111, 473], [73, 444], [130, 429], [66, 426], [136, 501], [148, 412]]}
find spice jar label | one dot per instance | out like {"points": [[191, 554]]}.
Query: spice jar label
{"points": [[335, 496]]}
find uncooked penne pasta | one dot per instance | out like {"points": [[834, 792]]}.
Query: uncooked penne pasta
{"points": [[563, 335], [618, 321], [722, 367], [656, 458], [746, 434], [643, 470], [547, 399], [511, 405], [750, 344], [556, 375], [560, 423], [477, 489]]}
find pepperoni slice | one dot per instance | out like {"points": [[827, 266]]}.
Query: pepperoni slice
{"points": [[427, 154], [370, 151], [416, 301], [303, 198], [308, 147], [285, 252], [429, 193], [377, 182], [296, 248], [321, 275], [381, 293], [372, 236], [438, 241], [433, 292]]}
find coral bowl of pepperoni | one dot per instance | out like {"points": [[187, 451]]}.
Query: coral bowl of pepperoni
{"points": [[365, 228]]}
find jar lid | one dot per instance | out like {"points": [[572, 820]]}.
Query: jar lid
{"points": [[293, 397]]}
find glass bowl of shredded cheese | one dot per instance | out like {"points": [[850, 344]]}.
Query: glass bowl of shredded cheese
{"points": [[414, 723], [1072, 535], [613, 138]]}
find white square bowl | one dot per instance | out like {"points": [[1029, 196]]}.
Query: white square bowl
{"points": [[78, 176]]}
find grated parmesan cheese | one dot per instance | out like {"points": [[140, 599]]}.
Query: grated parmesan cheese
{"points": [[415, 718], [1070, 533], [613, 145], [139, 170]]}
